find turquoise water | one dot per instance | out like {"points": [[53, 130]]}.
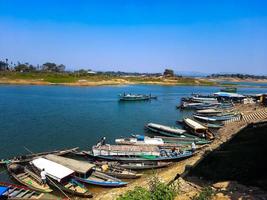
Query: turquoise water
{"points": [[44, 118]]}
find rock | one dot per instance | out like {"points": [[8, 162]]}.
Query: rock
{"points": [[221, 196], [221, 185]]}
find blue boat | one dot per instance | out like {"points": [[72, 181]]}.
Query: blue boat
{"points": [[85, 172]]}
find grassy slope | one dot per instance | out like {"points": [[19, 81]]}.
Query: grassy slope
{"points": [[74, 78]]}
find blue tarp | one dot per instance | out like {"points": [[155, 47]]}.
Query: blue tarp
{"points": [[3, 189], [140, 137]]}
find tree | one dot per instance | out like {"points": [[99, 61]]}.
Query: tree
{"points": [[168, 73], [25, 68], [3, 66], [52, 67]]}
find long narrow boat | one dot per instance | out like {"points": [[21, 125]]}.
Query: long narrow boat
{"points": [[198, 129], [204, 99], [85, 172], [116, 170], [144, 165], [196, 140], [30, 157], [211, 125], [164, 130], [147, 141], [164, 157], [61, 177], [214, 118], [125, 150], [209, 111], [13, 191], [27, 177], [135, 97]]}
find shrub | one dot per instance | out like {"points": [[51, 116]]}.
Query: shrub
{"points": [[205, 194], [157, 191]]}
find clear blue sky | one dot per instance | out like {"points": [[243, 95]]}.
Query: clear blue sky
{"points": [[137, 35]]}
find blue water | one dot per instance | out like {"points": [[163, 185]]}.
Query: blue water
{"points": [[44, 118], [248, 84]]}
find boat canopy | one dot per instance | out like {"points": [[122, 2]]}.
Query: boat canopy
{"points": [[76, 165], [228, 94], [54, 170], [193, 124]]}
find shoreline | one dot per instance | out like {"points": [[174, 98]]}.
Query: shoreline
{"points": [[121, 82], [169, 174]]}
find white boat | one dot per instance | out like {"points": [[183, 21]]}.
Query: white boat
{"points": [[205, 99], [197, 128], [140, 140], [162, 128], [208, 111], [125, 150]]}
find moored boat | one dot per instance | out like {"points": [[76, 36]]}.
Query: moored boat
{"points": [[27, 177], [125, 150], [185, 140], [214, 118], [145, 140], [27, 158], [164, 130], [116, 170], [61, 177], [165, 156], [144, 165], [85, 172], [13, 191], [198, 129]]}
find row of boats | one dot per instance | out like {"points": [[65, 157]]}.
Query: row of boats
{"points": [[109, 165]]}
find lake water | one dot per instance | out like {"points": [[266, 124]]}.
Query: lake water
{"points": [[43, 118]]}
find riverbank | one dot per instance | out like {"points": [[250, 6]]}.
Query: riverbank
{"points": [[99, 80], [180, 169]]}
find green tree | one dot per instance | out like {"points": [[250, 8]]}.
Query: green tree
{"points": [[168, 73]]}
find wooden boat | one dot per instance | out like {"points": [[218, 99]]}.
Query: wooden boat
{"points": [[178, 141], [135, 97], [198, 106], [198, 129], [217, 125], [116, 170], [30, 157], [61, 177], [25, 176], [145, 165], [229, 89], [164, 130], [204, 99], [144, 140], [185, 140], [124, 150], [12, 191], [209, 111], [85, 172], [164, 157], [214, 118]]}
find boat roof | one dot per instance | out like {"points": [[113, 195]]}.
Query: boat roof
{"points": [[54, 170], [228, 94], [194, 124], [76, 165], [126, 148]]}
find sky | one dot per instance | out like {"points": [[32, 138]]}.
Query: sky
{"points": [[209, 36]]}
